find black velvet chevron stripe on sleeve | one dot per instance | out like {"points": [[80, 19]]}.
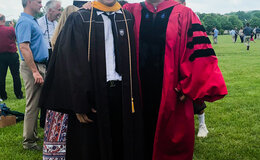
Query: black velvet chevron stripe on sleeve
{"points": [[198, 40], [202, 53], [194, 28]]}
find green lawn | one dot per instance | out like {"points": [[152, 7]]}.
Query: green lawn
{"points": [[233, 122]]}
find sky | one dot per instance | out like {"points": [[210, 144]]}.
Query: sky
{"points": [[12, 8]]}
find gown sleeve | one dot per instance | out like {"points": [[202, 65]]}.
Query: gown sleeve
{"points": [[200, 76], [68, 84]]}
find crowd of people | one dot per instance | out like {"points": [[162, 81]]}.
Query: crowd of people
{"points": [[113, 81], [246, 35]]}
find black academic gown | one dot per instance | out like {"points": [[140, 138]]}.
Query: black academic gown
{"points": [[75, 85]]}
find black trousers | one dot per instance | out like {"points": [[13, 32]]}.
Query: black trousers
{"points": [[82, 139], [43, 110], [116, 120], [151, 94], [242, 39], [235, 37], [10, 60], [198, 107]]}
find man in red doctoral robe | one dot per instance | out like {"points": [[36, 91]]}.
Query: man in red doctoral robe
{"points": [[175, 57]]}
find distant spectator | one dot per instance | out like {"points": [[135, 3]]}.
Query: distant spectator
{"points": [[254, 32], [233, 34], [48, 23], [215, 35], [252, 37], [241, 34], [247, 32], [34, 56], [9, 58], [257, 33], [236, 31]]}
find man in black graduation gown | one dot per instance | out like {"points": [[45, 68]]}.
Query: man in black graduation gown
{"points": [[92, 76]]}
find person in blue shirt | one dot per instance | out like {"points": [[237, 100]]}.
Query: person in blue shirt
{"points": [[233, 34], [34, 55], [215, 35]]}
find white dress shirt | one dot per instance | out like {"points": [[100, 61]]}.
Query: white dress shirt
{"points": [[109, 48], [52, 25]]}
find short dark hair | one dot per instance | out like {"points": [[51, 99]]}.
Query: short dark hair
{"points": [[2, 17], [24, 3], [247, 24]]}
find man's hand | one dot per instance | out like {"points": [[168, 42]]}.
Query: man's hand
{"points": [[83, 118], [87, 5], [38, 78], [180, 95]]}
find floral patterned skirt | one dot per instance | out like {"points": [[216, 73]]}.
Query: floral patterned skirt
{"points": [[54, 145]]}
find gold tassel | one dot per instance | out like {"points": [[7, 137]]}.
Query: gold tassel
{"points": [[133, 106], [130, 62]]}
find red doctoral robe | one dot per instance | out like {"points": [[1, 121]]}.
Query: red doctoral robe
{"points": [[190, 64]]}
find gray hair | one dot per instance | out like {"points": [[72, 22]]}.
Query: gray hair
{"points": [[24, 3], [51, 4]]}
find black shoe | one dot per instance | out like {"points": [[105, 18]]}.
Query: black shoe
{"points": [[38, 139], [4, 98], [36, 148], [20, 97]]}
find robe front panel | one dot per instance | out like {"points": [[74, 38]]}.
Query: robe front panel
{"points": [[174, 138]]}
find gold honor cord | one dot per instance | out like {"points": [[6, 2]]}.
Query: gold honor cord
{"points": [[89, 33], [130, 63]]}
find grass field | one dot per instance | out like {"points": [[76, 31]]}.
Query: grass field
{"points": [[233, 122]]}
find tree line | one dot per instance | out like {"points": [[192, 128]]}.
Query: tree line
{"points": [[224, 22], [230, 21]]}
